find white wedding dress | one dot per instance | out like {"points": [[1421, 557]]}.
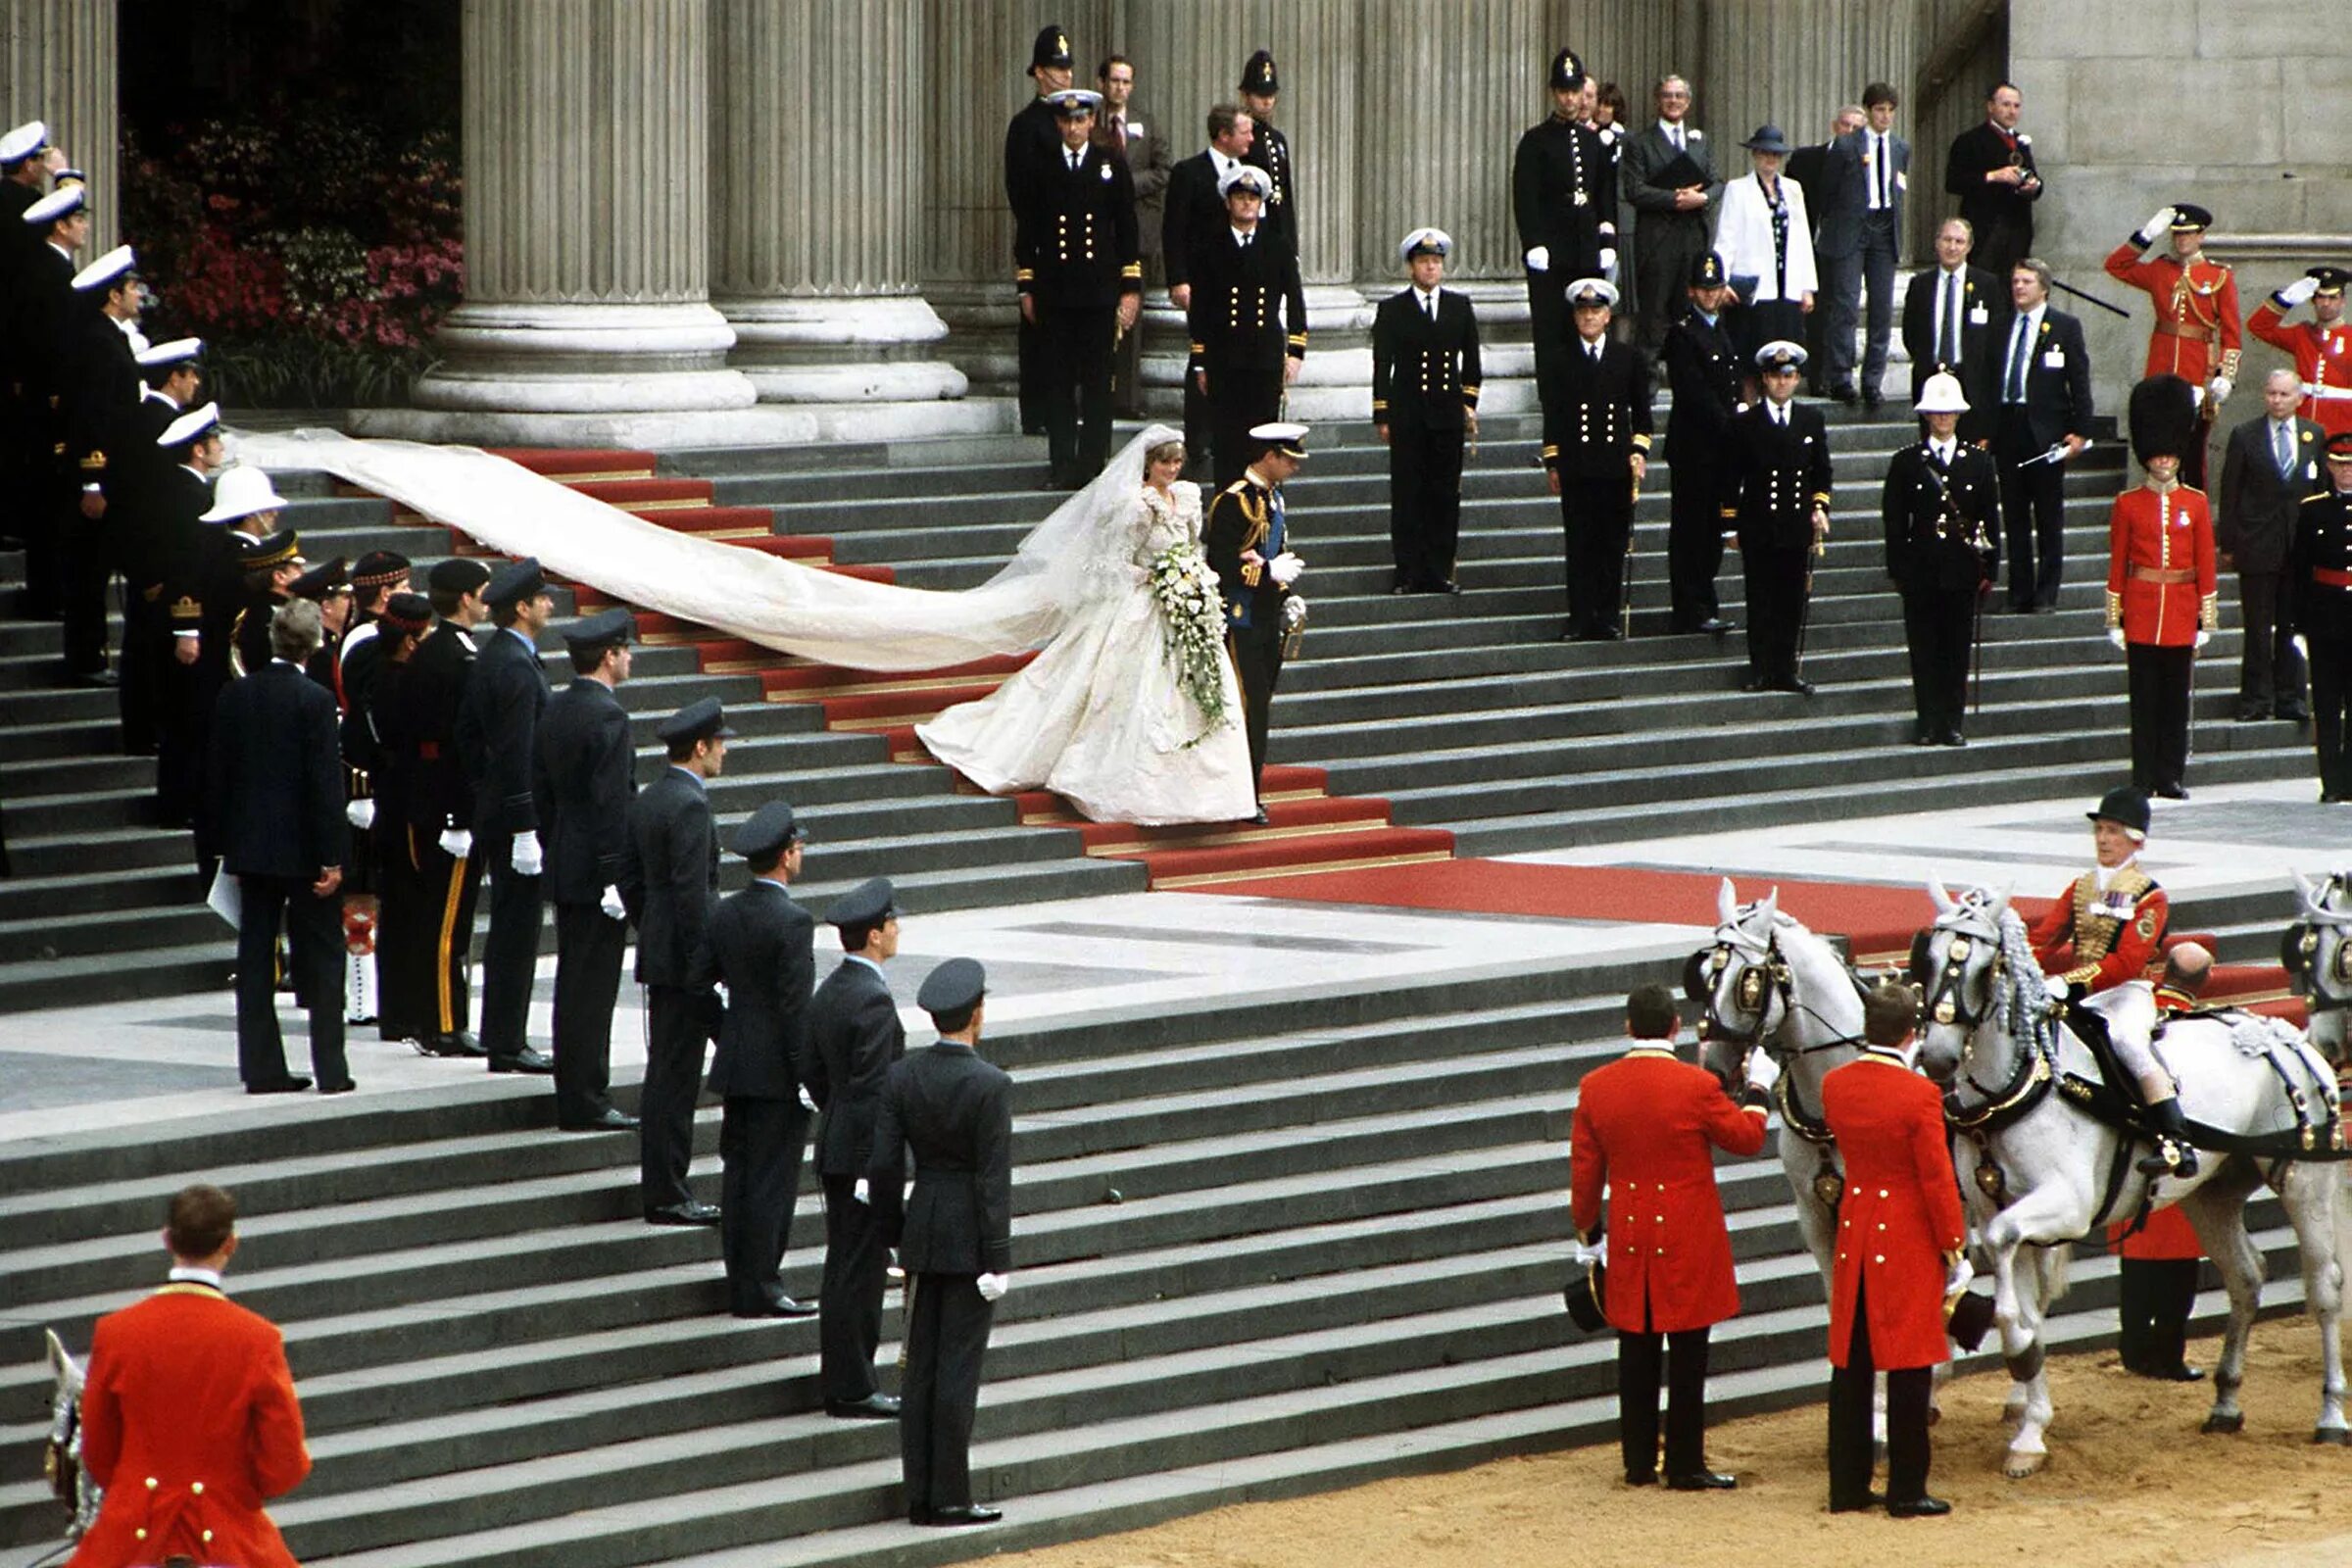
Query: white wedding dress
{"points": [[1101, 717]]}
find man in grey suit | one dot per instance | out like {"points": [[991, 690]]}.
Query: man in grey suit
{"points": [[854, 1039], [2270, 465], [761, 946], [1859, 233], [1675, 221], [954, 1112]]}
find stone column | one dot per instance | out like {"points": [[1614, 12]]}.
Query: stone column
{"points": [[587, 317], [814, 258], [1793, 63], [57, 65]]}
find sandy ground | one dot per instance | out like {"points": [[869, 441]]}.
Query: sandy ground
{"points": [[2131, 1484]]}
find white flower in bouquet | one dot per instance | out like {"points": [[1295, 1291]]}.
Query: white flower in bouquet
{"points": [[1186, 591]]}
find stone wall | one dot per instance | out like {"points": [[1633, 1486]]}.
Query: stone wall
{"points": [[58, 65]]}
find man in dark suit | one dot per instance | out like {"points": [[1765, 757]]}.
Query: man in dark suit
{"points": [[760, 945], [1247, 540], [2270, 465], [1780, 466], [1244, 353], [953, 1112], [1564, 203], [1858, 216], [1081, 282], [1942, 511], [587, 777], [854, 1039], [1703, 369], [1270, 150], [1029, 140], [1804, 169], [97, 388], [276, 794], [498, 741], [1144, 149], [1194, 214], [1991, 168], [1954, 323], [1596, 418], [2045, 404], [669, 881], [1674, 219], [1425, 379]]}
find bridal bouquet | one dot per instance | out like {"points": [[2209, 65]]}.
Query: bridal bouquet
{"points": [[1186, 591]]}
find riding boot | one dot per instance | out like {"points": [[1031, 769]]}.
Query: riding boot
{"points": [[2173, 1156]]}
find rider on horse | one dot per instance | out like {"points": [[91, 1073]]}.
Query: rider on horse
{"points": [[2103, 935]]}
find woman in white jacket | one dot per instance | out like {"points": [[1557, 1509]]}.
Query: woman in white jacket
{"points": [[1766, 242]]}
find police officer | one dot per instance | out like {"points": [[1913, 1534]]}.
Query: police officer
{"points": [[1081, 280], [1270, 150], [1703, 370], [1900, 1234], [1247, 540], [953, 1112], [2318, 585], [2197, 336], [1425, 380], [587, 777], [854, 1039], [498, 739], [2163, 601], [1941, 509], [761, 946], [1597, 418], [669, 881], [1564, 202], [1779, 465], [1244, 353], [1029, 140]]}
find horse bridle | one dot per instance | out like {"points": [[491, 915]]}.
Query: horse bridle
{"points": [[2299, 953], [1948, 1004], [1765, 979]]}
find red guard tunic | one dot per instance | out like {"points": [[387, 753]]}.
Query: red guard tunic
{"points": [[1643, 1127], [2323, 358], [2160, 566], [2197, 335], [2099, 940], [1900, 1217], [189, 1422]]}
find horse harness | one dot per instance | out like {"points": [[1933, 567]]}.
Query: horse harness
{"points": [[1762, 981]]}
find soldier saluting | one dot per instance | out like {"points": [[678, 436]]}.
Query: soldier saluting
{"points": [[1941, 508], [2196, 335], [2322, 348]]}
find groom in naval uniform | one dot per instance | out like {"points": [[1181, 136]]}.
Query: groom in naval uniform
{"points": [[1247, 542]]}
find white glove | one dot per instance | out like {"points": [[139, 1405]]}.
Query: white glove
{"points": [[2115, 635], [1957, 1280], [1539, 259], [1609, 258], [457, 843], [992, 1287], [1762, 1071], [1596, 1254], [2301, 649], [2203, 637], [2222, 386], [806, 1104], [1285, 568], [360, 814], [611, 903], [859, 1191], [2159, 220], [529, 858], [2295, 293]]}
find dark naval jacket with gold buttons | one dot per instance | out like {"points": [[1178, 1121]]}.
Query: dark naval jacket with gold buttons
{"points": [[1424, 373], [1248, 309], [1074, 246], [1782, 473], [1596, 413]]}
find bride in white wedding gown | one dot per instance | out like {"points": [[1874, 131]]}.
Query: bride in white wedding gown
{"points": [[1104, 716]]}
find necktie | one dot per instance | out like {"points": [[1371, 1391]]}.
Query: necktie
{"points": [[2016, 381], [1948, 332], [1594, 349], [1429, 306], [2286, 448], [1073, 160], [1678, 140]]}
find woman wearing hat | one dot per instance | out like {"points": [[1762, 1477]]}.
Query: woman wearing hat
{"points": [[1941, 509], [1766, 240]]}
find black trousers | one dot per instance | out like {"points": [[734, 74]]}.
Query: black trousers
{"points": [[760, 1143], [1031, 387], [83, 567], [314, 928], [1199, 433], [2156, 1296], [1240, 400], [1940, 628], [2272, 675], [144, 666], [1073, 387], [849, 1323], [1670, 243], [2160, 681], [1683, 1358], [1256, 654], [454, 885], [1425, 503], [588, 949], [1695, 544], [1597, 516], [1852, 1446], [946, 1336], [2033, 514], [178, 740], [1776, 609], [677, 1027], [1547, 319], [511, 949], [410, 976], [2331, 711]]}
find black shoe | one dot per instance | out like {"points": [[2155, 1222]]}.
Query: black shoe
{"points": [[343, 1088], [1449, 586], [2172, 1154], [1872, 403], [1923, 736], [2251, 714], [528, 1060], [2178, 1372], [1641, 1478], [963, 1513], [689, 1212], [1918, 1508], [457, 1043], [1842, 393], [291, 1084], [1754, 683], [2293, 714], [1257, 819], [608, 1120], [1702, 1481], [1951, 737], [1717, 625], [1794, 686], [1400, 590], [873, 1407], [94, 679], [1868, 1500], [781, 1306]]}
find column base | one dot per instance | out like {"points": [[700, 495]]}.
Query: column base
{"points": [[871, 348], [583, 360]]}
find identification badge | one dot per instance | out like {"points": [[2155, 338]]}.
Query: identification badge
{"points": [[1979, 315], [2055, 360]]}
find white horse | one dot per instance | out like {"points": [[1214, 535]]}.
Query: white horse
{"points": [[2318, 955], [2059, 1144], [63, 1461]]}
